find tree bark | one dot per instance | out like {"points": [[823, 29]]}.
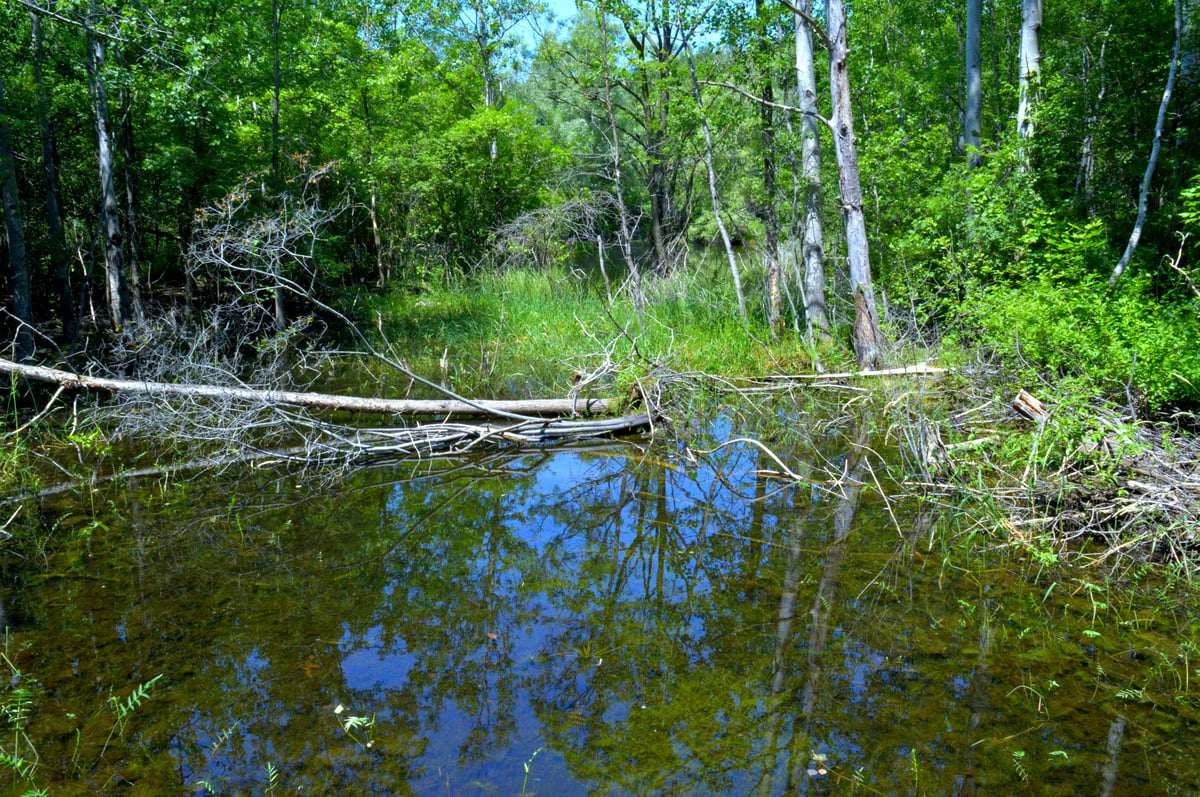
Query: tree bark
{"points": [[1144, 194], [867, 337], [323, 401], [59, 263], [114, 257], [813, 247], [770, 217], [973, 106], [1030, 66], [712, 186], [625, 226], [276, 164], [131, 206], [18, 259]]}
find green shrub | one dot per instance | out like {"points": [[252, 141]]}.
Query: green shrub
{"points": [[1112, 341]]}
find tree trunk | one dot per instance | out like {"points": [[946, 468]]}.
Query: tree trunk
{"points": [[276, 165], [59, 263], [18, 260], [131, 207], [973, 107], [1030, 67], [813, 247], [868, 339], [770, 217], [378, 406], [712, 186], [117, 289], [625, 225], [1144, 194], [1085, 179]]}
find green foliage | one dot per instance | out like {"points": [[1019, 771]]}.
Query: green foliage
{"points": [[1123, 342]]}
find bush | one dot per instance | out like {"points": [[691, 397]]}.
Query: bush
{"points": [[1108, 340]]}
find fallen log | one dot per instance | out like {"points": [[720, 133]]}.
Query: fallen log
{"points": [[919, 369], [325, 401]]}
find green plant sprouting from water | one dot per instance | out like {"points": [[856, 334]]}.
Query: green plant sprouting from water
{"points": [[17, 752], [1018, 762], [361, 730], [122, 710], [528, 766]]}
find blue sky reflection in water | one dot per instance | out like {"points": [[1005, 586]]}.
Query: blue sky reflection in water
{"points": [[619, 620]]}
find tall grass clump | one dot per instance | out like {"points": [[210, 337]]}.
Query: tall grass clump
{"points": [[539, 329]]}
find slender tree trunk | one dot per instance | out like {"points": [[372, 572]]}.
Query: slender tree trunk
{"points": [[770, 217], [1144, 194], [868, 339], [813, 247], [59, 263], [110, 222], [1085, 179], [18, 260], [276, 165], [973, 107], [133, 265], [625, 226], [712, 186], [1030, 67]]}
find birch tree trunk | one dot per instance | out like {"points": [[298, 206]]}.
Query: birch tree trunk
{"points": [[276, 160], [59, 263], [1030, 68], [712, 185], [973, 106], [133, 265], [110, 222], [625, 224], [867, 337], [18, 260], [770, 217], [1144, 193], [813, 246]]}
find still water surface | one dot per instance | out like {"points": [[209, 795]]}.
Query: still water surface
{"points": [[615, 619]]}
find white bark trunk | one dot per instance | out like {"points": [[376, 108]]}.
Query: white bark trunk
{"points": [[1144, 194], [868, 339], [1030, 65], [324, 401], [813, 246], [712, 186], [114, 256]]}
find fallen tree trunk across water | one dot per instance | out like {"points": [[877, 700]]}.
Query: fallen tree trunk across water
{"points": [[323, 401], [324, 444]]}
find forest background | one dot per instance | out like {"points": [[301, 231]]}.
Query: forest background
{"points": [[160, 158]]}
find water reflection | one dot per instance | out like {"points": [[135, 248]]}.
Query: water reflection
{"points": [[608, 620]]}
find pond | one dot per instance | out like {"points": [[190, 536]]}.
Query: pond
{"points": [[621, 618]]}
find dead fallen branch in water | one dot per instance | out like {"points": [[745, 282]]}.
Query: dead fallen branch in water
{"points": [[919, 369], [323, 401], [456, 439]]}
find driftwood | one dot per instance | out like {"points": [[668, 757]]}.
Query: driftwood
{"points": [[919, 369], [324, 401], [1030, 407], [454, 439]]}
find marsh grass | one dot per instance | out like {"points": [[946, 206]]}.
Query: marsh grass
{"points": [[525, 332]]}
